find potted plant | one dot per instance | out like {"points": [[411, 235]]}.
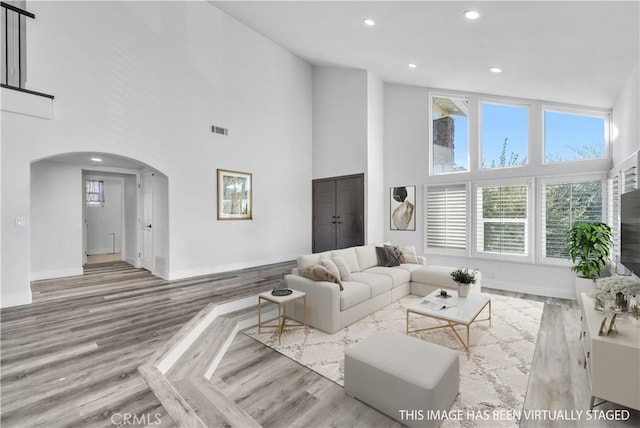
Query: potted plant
{"points": [[589, 246], [464, 277]]}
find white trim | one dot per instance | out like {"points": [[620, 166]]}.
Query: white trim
{"points": [[59, 273]]}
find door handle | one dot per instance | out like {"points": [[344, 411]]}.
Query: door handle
{"points": [[148, 226]]}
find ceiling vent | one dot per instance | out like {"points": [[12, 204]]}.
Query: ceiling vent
{"points": [[219, 130]]}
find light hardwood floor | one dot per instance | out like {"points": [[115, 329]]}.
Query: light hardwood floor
{"points": [[71, 358]]}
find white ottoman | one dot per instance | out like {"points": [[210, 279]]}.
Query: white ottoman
{"points": [[398, 374]]}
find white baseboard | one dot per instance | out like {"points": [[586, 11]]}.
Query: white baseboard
{"points": [[60, 273], [529, 289], [189, 273], [96, 251]]}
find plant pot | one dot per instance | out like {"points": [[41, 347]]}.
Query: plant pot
{"points": [[583, 285], [463, 289]]}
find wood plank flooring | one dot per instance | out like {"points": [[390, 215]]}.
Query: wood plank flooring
{"points": [[71, 358]]}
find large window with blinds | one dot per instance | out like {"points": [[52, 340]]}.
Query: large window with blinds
{"points": [[446, 217], [503, 220], [564, 203], [614, 215]]}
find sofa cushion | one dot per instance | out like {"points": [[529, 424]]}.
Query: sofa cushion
{"points": [[386, 257], [410, 267], [349, 256], [379, 283], [398, 275], [440, 276], [320, 273], [353, 294], [397, 252], [343, 268], [307, 260], [410, 255], [331, 267], [366, 256]]}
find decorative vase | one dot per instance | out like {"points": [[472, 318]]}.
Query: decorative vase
{"points": [[463, 289], [620, 303]]}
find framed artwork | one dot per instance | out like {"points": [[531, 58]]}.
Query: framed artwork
{"points": [[234, 195], [402, 208]]}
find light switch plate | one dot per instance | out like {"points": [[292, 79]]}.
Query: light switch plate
{"points": [[19, 222]]}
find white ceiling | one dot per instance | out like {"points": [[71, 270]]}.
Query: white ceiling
{"points": [[565, 51]]}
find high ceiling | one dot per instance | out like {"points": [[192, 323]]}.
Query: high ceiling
{"points": [[564, 51]]}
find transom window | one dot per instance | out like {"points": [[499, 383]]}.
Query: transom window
{"points": [[574, 136], [504, 135], [450, 134]]}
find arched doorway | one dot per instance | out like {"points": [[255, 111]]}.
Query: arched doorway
{"points": [[127, 214]]}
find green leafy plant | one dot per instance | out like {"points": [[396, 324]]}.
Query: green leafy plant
{"points": [[464, 275], [590, 245]]}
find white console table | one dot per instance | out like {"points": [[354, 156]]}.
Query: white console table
{"points": [[612, 362]]}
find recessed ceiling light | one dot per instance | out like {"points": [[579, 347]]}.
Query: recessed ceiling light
{"points": [[471, 14], [412, 65], [495, 70], [96, 160], [370, 22]]}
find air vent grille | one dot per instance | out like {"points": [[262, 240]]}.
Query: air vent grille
{"points": [[219, 130]]}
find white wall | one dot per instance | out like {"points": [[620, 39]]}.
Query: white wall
{"points": [[145, 80], [376, 205], [160, 223], [406, 135], [106, 218], [55, 222], [626, 114], [339, 122]]}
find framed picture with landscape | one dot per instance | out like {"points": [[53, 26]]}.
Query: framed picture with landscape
{"points": [[234, 195], [402, 208]]}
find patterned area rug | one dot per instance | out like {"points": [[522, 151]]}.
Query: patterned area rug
{"points": [[494, 379]]}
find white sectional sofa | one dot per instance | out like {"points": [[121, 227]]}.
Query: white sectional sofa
{"points": [[370, 287]]}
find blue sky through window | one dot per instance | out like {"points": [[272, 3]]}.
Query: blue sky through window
{"points": [[572, 137], [500, 122]]}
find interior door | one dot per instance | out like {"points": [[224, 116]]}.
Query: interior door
{"points": [[350, 212], [146, 221], [338, 213], [324, 215]]}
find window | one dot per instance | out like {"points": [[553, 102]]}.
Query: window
{"points": [[562, 205], [14, 47], [94, 192], [502, 220], [570, 136], [446, 217], [450, 134], [505, 135]]}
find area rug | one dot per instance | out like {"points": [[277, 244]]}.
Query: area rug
{"points": [[494, 379]]}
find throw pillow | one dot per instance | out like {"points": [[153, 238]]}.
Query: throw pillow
{"points": [[410, 254], [320, 273], [397, 252], [386, 257], [331, 267], [343, 268]]}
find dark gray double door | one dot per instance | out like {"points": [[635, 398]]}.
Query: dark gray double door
{"points": [[338, 212]]}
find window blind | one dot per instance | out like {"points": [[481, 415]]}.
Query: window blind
{"points": [[94, 192], [630, 179], [502, 220], [446, 217], [564, 204], [614, 214]]}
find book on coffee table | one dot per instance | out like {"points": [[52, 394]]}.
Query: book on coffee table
{"points": [[437, 304]]}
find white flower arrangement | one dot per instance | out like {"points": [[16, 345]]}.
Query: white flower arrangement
{"points": [[607, 288]]}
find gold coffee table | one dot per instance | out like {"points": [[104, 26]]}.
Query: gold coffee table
{"points": [[281, 301], [464, 311]]}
